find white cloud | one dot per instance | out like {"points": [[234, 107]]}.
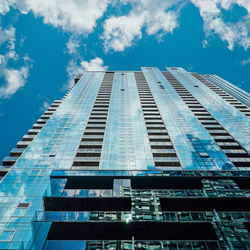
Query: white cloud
{"points": [[45, 106], [26, 58], [8, 35], [120, 32], [73, 45], [157, 16], [71, 15], [15, 79], [74, 68], [2, 59], [95, 64], [161, 20], [204, 44], [244, 62], [5, 6], [232, 33], [12, 55]]}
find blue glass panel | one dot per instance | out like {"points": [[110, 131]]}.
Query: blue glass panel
{"points": [[66, 245], [51, 245], [80, 245]]}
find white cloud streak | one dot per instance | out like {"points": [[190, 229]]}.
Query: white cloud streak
{"points": [[73, 45], [155, 15], [204, 44], [95, 64], [120, 32], [14, 78], [71, 15], [76, 67], [232, 33], [5, 6], [45, 106], [7, 35], [245, 62]]}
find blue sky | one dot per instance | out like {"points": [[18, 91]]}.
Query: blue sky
{"points": [[45, 43]]}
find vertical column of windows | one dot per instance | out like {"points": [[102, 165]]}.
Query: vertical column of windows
{"points": [[125, 140], [237, 155], [164, 154], [230, 99], [90, 148]]}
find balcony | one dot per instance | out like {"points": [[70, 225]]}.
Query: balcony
{"points": [[90, 145], [209, 122], [86, 161], [153, 126], [147, 103], [48, 112], [37, 126], [158, 132], [166, 162], [220, 138], [150, 109], [16, 152], [55, 105], [92, 138], [154, 122], [88, 153], [218, 132], [33, 131], [23, 144], [28, 137], [45, 117], [211, 126], [240, 162], [156, 138], [205, 114], [102, 116], [94, 131], [41, 121], [9, 161], [96, 121], [158, 155], [148, 106], [95, 127], [51, 109], [206, 118], [101, 105], [229, 145], [238, 153], [148, 118], [99, 112], [161, 145]]}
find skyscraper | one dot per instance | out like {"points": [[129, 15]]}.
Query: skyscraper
{"points": [[133, 160]]}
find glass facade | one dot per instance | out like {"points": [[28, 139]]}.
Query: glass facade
{"points": [[132, 160]]}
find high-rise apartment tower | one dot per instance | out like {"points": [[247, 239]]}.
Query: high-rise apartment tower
{"points": [[133, 160]]}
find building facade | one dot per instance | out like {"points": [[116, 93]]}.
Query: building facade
{"points": [[133, 160]]}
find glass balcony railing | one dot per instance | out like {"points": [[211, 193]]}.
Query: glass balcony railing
{"points": [[16, 151], [28, 137], [23, 144]]}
